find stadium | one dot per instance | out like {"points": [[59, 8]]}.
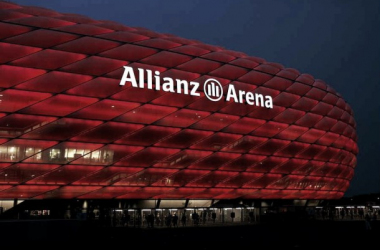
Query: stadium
{"points": [[77, 131]]}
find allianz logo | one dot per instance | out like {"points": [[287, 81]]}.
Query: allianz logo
{"points": [[212, 88]]}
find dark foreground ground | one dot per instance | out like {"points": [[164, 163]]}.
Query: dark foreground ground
{"points": [[290, 234]]}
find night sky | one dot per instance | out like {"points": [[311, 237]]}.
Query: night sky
{"points": [[336, 41]]}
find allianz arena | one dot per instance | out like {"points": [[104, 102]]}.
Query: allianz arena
{"points": [[69, 128]]}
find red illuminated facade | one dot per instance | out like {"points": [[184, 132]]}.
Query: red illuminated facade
{"points": [[69, 130]]}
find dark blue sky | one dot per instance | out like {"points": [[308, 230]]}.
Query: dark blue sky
{"points": [[336, 41]]}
